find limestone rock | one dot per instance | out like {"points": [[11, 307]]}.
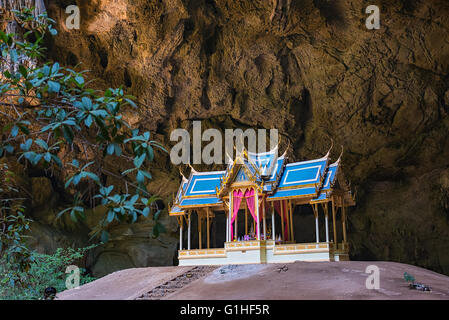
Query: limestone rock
{"points": [[41, 190], [308, 68]]}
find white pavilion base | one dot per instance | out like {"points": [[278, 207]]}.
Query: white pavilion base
{"points": [[245, 252]]}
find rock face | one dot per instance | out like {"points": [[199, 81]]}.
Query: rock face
{"points": [[309, 68]]}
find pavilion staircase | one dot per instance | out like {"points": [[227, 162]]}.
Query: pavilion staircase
{"points": [[175, 284]]}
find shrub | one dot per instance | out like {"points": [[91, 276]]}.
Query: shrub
{"points": [[45, 271]]}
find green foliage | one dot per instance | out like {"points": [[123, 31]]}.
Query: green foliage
{"points": [[408, 277], [45, 271], [52, 111], [51, 118], [13, 225]]}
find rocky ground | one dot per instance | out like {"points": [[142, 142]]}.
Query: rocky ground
{"points": [[299, 280]]}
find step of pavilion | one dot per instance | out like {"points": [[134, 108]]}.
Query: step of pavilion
{"points": [[177, 283]]}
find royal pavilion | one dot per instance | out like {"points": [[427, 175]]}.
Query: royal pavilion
{"points": [[252, 206]]}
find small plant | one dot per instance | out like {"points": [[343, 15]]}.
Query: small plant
{"points": [[409, 278], [417, 286], [46, 271]]}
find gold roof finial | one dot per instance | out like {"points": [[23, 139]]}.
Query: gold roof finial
{"points": [[329, 152], [180, 172], [341, 155], [193, 170]]}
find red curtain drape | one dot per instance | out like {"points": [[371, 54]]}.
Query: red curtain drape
{"points": [[277, 208], [238, 195], [250, 201], [236, 200]]}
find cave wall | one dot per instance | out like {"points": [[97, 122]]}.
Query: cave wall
{"points": [[309, 68]]}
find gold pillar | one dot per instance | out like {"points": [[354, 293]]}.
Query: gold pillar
{"points": [[235, 224], [188, 230], [343, 218], [264, 221], [273, 230], [246, 218], [333, 220], [208, 232], [325, 207], [291, 220], [282, 220], [199, 230]]}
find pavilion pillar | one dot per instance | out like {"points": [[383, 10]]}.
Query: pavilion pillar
{"points": [[188, 232], [200, 220], [257, 212], [291, 220], [343, 218], [326, 218], [180, 232], [236, 225], [228, 220], [273, 230], [208, 227], [282, 220], [317, 231], [264, 221], [334, 224], [226, 226], [287, 219], [246, 218]]}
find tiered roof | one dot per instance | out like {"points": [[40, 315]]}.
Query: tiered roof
{"points": [[312, 180]]}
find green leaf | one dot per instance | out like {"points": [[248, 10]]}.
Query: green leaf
{"points": [[68, 134], [15, 131], [150, 154], [47, 157], [53, 87], [73, 216], [146, 212], [23, 71], [139, 160], [13, 54], [157, 214], [41, 143], [104, 236], [110, 150], [79, 80], [111, 216], [55, 68], [87, 103], [88, 121], [93, 176], [68, 182], [56, 160], [134, 199], [27, 145], [9, 148], [132, 103], [140, 177], [46, 70]]}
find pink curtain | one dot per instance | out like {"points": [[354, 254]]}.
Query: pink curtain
{"points": [[250, 201], [277, 207], [236, 200], [237, 197]]}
